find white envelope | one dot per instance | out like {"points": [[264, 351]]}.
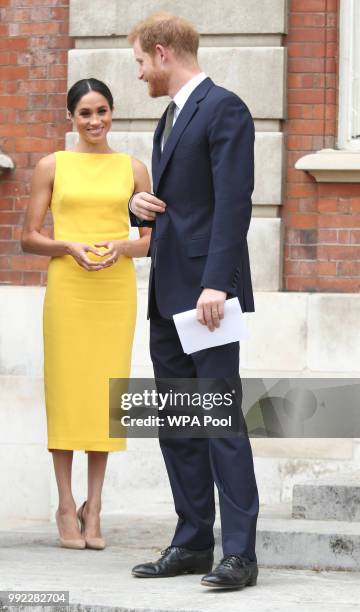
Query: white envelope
{"points": [[195, 337]]}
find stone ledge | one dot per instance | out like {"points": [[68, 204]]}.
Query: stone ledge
{"points": [[226, 17], [331, 166], [6, 163], [238, 69]]}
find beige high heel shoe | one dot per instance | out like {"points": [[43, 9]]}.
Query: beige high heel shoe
{"points": [[75, 544], [93, 543]]}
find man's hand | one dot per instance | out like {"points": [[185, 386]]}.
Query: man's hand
{"points": [[210, 308], [145, 206]]}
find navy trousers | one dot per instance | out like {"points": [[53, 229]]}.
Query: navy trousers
{"points": [[195, 464]]}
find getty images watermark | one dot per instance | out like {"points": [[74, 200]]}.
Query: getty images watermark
{"points": [[262, 407]]}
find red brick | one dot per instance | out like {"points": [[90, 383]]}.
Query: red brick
{"points": [[38, 72], [13, 130], [339, 221], [13, 101], [11, 15], [306, 96], [326, 268], [7, 247], [355, 236], [306, 50], [327, 236], [41, 13], [33, 144], [330, 96], [13, 43], [305, 127], [348, 268], [39, 130], [29, 262], [300, 190], [7, 58], [5, 262], [302, 268], [343, 236], [301, 283], [351, 190], [328, 205], [307, 64], [308, 6], [57, 101], [60, 14], [308, 20], [314, 34], [60, 42], [299, 143], [341, 285], [344, 205], [9, 277], [355, 205], [47, 29], [21, 160], [307, 205], [307, 252], [12, 188], [302, 221], [10, 218], [39, 86], [32, 278], [38, 101], [57, 71], [5, 233], [337, 252], [6, 203]]}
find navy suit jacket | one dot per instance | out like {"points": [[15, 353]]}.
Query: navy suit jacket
{"points": [[205, 175]]}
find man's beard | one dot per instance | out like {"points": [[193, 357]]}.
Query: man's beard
{"points": [[158, 85]]}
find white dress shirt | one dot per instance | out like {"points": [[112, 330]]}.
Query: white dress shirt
{"points": [[181, 97]]}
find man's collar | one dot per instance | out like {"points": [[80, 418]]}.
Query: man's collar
{"points": [[186, 90]]}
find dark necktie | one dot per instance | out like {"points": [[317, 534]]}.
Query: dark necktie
{"points": [[169, 121]]}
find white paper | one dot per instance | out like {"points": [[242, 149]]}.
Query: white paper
{"points": [[194, 336]]}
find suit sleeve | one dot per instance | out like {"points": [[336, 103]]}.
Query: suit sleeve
{"points": [[136, 222], [231, 143]]}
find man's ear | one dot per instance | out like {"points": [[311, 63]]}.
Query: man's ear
{"points": [[161, 52]]}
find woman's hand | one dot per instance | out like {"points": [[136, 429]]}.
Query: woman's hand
{"points": [[79, 251], [114, 251]]}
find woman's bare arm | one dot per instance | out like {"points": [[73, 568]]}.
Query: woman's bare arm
{"points": [[32, 241], [131, 248]]}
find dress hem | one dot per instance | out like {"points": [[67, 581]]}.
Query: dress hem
{"points": [[86, 446]]}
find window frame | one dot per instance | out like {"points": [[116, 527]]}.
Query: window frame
{"points": [[346, 64]]}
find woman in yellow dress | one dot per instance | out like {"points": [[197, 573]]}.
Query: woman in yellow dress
{"points": [[90, 301]]}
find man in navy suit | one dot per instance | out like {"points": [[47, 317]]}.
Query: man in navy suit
{"points": [[203, 175]]}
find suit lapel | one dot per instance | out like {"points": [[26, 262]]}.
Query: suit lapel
{"points": [[184, 118]]}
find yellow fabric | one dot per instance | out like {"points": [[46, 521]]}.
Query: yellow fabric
{"points": [[89, 317]]}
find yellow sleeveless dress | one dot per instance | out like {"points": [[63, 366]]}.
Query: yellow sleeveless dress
{"points": [[89, 317]]}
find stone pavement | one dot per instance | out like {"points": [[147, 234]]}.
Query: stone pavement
{"points": [[101, 580]]}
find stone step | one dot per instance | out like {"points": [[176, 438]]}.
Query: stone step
{"points": [[282, 541], [331, 499], [310, 544]]}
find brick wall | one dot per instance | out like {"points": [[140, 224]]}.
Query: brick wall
{"points": [[322, 220], [33, 68]]}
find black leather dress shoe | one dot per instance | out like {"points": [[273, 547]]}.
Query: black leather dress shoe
{"points": [[176, 560], [233, 572]]}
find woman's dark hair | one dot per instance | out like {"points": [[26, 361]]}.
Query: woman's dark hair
{"points": [[82, 87]]}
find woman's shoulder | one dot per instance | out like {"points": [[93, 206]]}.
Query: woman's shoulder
{"points": [[46, 165], [138, 165]]}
